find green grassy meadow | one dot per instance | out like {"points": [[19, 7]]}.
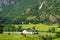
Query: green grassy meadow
{"points": [[40, 27]]}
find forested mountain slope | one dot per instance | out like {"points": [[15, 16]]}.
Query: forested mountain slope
{"points": [[18, 11]]}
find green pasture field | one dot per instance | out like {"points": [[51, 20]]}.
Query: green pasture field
{"points": [[28, 37], [39, 27]]}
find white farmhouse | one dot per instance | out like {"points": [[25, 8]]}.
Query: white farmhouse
{"points": [[27, 32]]}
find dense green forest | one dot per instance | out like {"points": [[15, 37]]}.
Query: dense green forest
{"points": [[27, 11]]}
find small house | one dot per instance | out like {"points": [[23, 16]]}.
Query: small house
{"points": [[27, 32]]}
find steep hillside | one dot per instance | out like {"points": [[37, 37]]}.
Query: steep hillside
{"points": [[28, 11], [11, 12]]}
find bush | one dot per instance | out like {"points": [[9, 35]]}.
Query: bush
{"points": [[1, 28], [19, 28], [52, 30], [58, 34]]}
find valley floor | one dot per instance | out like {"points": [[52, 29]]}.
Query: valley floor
{"points": [[43, 32]]}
